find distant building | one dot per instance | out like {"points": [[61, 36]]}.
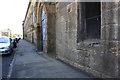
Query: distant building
{"points": [[0, 34], [5, 32], [18, 35]]}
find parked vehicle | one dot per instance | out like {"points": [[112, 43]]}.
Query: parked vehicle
{"points": [[6, 46], [14, 41]]}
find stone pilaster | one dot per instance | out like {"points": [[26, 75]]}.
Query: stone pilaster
{"points": [[110, 38]]}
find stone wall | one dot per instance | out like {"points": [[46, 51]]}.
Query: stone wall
{"points": [[51, 29], [63, 23], [66, 31], [97, 56], [66, 20], [119, 39], [110, 38], [29, 24], [49, 46]]}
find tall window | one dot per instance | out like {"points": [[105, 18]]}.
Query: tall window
{"points": [[90, 21], [93, 19]]}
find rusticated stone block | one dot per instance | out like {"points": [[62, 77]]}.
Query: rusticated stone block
{"points": [[103, 4], [72, 35], [71, 26], [119, 24], [112, 48], [110, 17], [119, 66], [63, 11], [96, 61], [72, 16], [119, 48], [73, 56], [72, 44], [103, 32], [119, 4], [111, 5], [103, 18], [61, 5], [108, 5], [72, 7], [83, 58], [112, 32], [110, 62]]}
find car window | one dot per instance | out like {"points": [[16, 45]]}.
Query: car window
{"points": [[4, 40]]}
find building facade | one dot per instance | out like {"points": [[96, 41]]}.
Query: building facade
{"points": [[29, 29], [5, 32], [83, 34], [18, 35]]}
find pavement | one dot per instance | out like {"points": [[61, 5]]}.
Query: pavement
{"points": [[29, 64]]}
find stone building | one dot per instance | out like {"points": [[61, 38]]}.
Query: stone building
{"points": [[18, 35], [5, 32], [83, 34], [29, 29], [0, 33]]}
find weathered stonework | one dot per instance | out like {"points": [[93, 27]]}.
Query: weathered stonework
{"points": [[29, 24], [65, 36], [95, 56]]}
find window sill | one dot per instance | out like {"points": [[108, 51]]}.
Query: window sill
{"points": [[89, 43]]}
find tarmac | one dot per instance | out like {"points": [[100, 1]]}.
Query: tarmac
{"points": [[28, 63]]}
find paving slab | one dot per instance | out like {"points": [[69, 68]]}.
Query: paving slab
{"points": [[29, 64]]}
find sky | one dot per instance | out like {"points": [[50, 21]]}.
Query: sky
{"points": [[12, 14]]}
